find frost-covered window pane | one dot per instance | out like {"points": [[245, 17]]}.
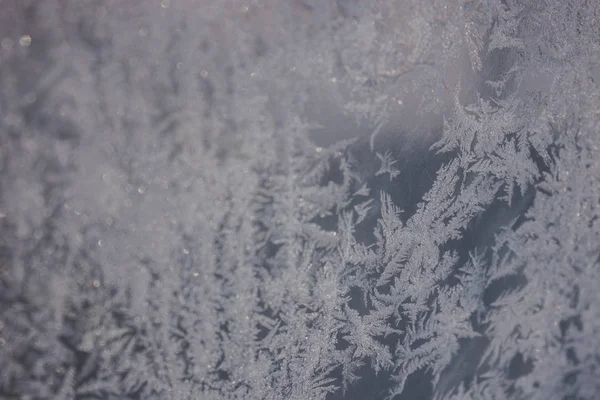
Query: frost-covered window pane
{"points": [[300, 199]]}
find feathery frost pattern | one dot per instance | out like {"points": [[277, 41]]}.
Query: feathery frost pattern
{"points": [[299, 199]]}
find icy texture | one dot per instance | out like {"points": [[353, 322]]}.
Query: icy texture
{"points": [[303, 199]]}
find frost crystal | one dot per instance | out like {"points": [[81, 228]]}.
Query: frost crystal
{"points": [[299, 199]]}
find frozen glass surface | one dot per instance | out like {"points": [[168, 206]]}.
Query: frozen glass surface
{"points": [[300, 199]]}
